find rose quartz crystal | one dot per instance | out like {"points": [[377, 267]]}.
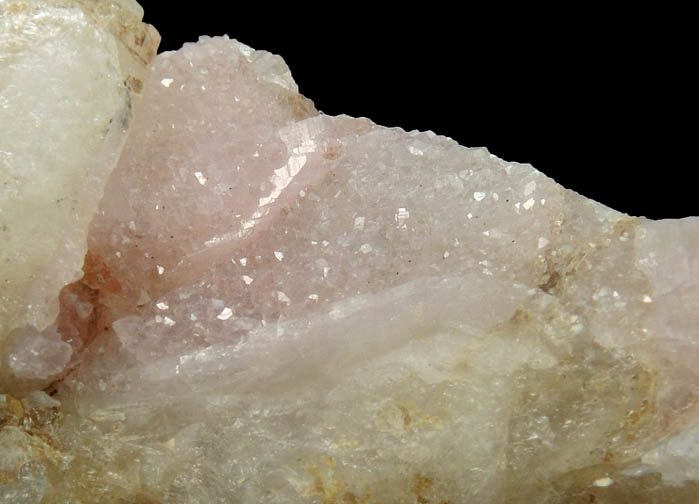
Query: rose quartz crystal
{"points": [[209, 165], [281, 306]]}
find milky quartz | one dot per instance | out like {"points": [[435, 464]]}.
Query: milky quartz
{"points": [[68, 69], [285, 307]]}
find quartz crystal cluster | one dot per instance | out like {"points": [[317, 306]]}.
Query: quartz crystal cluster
{"points": [[249, 301]]}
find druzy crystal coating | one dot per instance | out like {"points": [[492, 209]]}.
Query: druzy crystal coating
{"points": [[215, 293]]}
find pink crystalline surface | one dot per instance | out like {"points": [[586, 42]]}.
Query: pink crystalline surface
{"points": [[235, 204], [244, 236], [197, 176], [197, 215], [218, 158]]}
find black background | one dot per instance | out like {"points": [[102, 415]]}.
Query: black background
{"points": [[603, 103]]}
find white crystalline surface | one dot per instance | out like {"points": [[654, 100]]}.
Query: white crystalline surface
{"points": [[67, 72], [288, 307]]}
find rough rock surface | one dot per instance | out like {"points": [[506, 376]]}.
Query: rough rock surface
{"points": [[68, 69], [280, 306]]}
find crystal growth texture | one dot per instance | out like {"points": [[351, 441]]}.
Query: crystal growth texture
{"points": [[280, 306]]}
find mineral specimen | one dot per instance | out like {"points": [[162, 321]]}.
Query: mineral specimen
{"points": [[280, 306]]}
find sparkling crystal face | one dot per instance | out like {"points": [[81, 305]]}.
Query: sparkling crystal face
{"points": [[281, 306]]}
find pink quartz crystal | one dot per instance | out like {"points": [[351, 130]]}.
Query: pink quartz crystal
{"points": [[207, 166], [279, 306]]}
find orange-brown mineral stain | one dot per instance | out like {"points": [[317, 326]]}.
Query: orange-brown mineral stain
{"points": [[421, 486], [98, 276]]}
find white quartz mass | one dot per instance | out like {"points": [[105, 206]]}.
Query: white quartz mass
{"points": [[280, 306], [68, 71]]}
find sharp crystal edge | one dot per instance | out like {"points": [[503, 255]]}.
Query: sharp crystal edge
{"points": [[280, 306]]}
